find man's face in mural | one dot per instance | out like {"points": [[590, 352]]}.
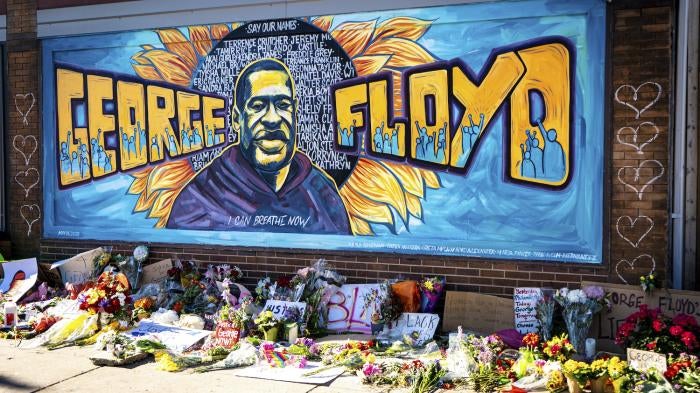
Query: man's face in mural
{"points": [[265, 113]]}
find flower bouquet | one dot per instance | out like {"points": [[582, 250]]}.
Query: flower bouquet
{"points": [[431, 289], [577, 375], [268, 325], [291, 319], [417, 375], [281, 358], [545, 314], [110, 296], [558, 349], [650, 330], [579, 306]]}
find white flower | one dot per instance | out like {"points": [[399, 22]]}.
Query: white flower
{"points": [[121, 297], [576, 296]]}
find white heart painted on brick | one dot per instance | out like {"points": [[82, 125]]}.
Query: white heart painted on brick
{"points": [[634, 132], [20, 149], [622, 172], [24, 104], [26, 174], [634, 97], [633, 265], [30, 214], [632, 224]]}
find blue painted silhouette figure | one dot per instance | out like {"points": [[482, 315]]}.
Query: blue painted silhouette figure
{"points": [[74, 162], [108, 163], [351, 133], [154, 143], [65, 158], [83, 166], [172, 146], [527, 168], [420, 151], [132, 145], [553, 157], [476, 129], [466, 139], [143, 140], [533, 146], [125, 142], [196, 138], [423, 137], [100, 153], [395, 139], [386, 146], [378, 139], [93, 150], [430, 148], [184, 136], [441, 143], [210, 138]]}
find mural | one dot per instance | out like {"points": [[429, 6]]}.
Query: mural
{"points": [[426, 131]]}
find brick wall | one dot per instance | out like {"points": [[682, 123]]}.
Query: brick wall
{"points": [[23, 137], [641, 52]]}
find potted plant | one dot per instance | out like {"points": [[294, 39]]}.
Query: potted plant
{"points": [[268, 324]]}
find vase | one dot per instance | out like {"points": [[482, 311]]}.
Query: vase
{"points": [[578, 322], [377, 328], [598, 384], [573, 385], [271, 334], [429, 301], [291, 332]]}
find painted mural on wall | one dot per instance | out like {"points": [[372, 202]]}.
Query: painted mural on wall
{"points": [[413, 131]]}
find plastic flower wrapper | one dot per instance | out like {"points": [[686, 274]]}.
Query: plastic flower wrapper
{"points": [[545, 313], [527, 356], [578, 310], [118, 345]]}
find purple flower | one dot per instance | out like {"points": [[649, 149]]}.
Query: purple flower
{"points": [[305, 341], [594, 292], [315, 349], [303, 362]]}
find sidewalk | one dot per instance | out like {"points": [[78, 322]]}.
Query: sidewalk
{"points": [[70, 370]]}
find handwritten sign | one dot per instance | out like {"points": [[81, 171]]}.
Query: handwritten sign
{"points": [[156, 272], [483, 314], [19, 277], [525, 309], [226, 334], [419, 328], [279, 307], [346, 311], [645, 360], [626, 299], [77, 269], [175, 338]]}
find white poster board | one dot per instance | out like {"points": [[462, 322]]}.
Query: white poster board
{"points": [[18, 278], [279, 307], [420, 327], [155, 272], [645, 360], [175, 338], [525, 309], [79, 268], [346, 311]]}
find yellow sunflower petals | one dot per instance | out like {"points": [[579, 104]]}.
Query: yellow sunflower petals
{"points": [[219, 31], [360, 227], [146, 72], [323, 22], [402, 27], [177, 43], [415, 208], [172, 68], [406, 53], [374, 181], [354, 36], [360, 206], [199, 35], [409, 178], [366, 65]]}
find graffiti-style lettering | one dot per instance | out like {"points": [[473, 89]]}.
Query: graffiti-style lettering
{"points": [[448, 110], [100, 134]]}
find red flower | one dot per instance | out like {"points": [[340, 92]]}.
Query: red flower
{"points": [[685, 320], [658, 325], [651, 346], [284, 282], [676, 330], [531, 340], [688, 339]]}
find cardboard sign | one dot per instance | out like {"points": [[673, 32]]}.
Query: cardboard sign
{"points": [[346, 309], [226, 334], [483, 314], [79, 268], [175, 338], [155, 272], [419, 327], [626, 299], [525, 309], [279, 307], [644, 360], [18, 278]]}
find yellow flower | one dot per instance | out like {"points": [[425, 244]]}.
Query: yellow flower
{"points": [[428, 285]]}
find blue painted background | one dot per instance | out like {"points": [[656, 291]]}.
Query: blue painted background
{"points": [[479, 214]]}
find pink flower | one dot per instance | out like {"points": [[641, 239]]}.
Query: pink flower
{"points": [[658, 325], [676, 330], [371, 369], [303, 362]]}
